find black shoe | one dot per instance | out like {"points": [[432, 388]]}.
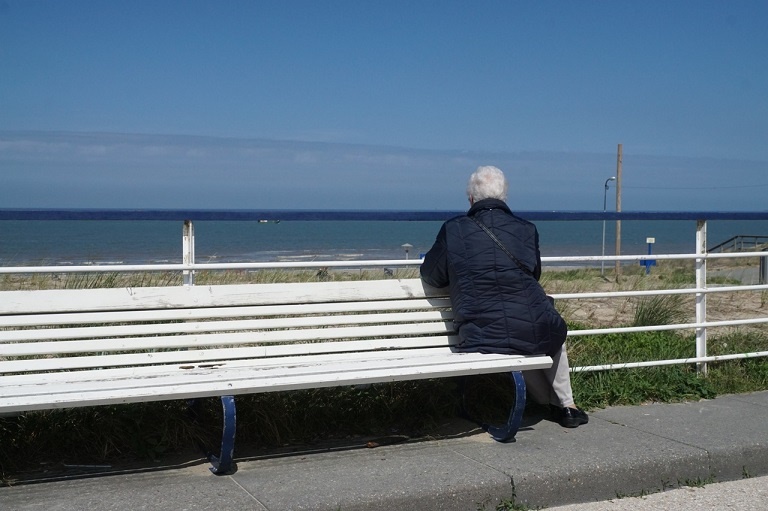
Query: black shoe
{"points": [[571, 417]]}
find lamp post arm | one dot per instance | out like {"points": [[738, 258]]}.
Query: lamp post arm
{"points": [[605, 193]]}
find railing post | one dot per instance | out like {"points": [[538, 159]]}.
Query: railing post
{"points": [[188, 251], [701, 298]]}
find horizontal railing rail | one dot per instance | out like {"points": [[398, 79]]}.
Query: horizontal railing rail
{"points": [[700, 290], [199, 215], [550, 260]]}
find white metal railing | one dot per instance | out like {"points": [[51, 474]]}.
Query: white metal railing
{"points": [[189, 267]]}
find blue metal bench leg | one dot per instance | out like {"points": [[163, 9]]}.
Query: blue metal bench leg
{"points": [[223, 463], [507, 433]]}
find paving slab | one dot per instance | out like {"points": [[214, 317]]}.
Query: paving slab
{"points": [[184, 489], [755, 398], [418, 476], [551, 465], [732, 430]]}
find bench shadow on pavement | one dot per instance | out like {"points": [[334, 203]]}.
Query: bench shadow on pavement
{"points": [[451, 428]]}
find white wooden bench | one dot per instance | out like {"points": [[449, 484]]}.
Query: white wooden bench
{"points": [[86, 347]]}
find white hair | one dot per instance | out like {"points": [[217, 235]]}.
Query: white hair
{"points": [[487, 182]]}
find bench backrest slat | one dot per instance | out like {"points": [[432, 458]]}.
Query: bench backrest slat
{"points": [[189, 314], [79, 300], [92, 332], [199, 341]]}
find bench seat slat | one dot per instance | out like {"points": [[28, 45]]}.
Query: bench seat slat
{"points": [[287, 363], [248, 379], [209, 354]]}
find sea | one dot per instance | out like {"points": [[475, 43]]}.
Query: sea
{"points": [[90, 242]]}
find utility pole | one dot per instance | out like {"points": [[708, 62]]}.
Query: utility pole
{"points": [[619, 157]]}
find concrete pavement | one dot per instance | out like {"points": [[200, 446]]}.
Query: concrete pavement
{"points": [[622, 452]]}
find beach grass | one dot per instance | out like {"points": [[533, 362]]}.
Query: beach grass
{"points": [[150, 433]]}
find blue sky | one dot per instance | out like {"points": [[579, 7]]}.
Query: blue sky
{"points": [[382, 105]]}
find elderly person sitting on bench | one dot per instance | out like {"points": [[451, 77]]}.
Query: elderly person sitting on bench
{"points": [[491, 262]]}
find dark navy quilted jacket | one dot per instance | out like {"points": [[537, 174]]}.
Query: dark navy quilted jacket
{"points": [[498, 308]]}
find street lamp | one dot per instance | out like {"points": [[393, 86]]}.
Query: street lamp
{"points": [[605, 196], [407, 247]]}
